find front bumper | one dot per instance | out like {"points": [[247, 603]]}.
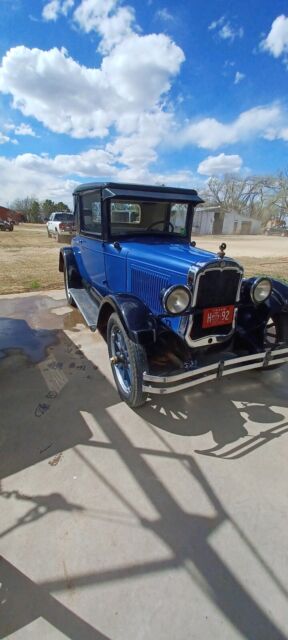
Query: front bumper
{"points": [[185, 379]]}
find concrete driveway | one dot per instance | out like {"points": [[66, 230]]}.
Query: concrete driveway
{"points": [[166, 523]]}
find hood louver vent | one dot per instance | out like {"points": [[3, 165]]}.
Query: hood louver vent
{"points": [[148, 287]]}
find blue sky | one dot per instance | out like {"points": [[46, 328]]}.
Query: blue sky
{"points": [[150, 91]]}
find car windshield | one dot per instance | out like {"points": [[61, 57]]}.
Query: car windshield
{"points": [[130, 218], [67, 217]]}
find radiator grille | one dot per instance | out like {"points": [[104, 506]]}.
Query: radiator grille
{"points": [[148, 287], [217, 288]]}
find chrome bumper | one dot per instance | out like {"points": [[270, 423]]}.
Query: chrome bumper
{"points": [[186, 379]]}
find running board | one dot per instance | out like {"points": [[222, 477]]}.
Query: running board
{"points": [[87, 307]]}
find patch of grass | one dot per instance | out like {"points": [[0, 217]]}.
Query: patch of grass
{"points": [[35, 284]]}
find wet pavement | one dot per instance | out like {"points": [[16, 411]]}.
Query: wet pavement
{"points": [[168, 522]]}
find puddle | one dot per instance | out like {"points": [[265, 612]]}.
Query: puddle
{"points": [[17, 334]]}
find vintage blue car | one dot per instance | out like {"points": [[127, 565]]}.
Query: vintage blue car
{"points": [[173, 315]]}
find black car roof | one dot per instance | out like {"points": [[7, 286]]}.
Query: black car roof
{"points": [[112, 189]]}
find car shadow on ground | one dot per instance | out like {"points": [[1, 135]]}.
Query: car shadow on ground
{"points": [[241, 414], [34, 430]]}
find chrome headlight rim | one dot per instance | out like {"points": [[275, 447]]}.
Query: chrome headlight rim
{"points": [[256, 284], [167, 293]]}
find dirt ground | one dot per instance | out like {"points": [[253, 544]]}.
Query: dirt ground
{"points": [[29, 259]]}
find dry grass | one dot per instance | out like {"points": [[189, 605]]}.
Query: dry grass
{"points": [[275, 267], [29, 261]]}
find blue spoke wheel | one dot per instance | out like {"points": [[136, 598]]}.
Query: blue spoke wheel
{"points": [[275, 334], [128, 361]]}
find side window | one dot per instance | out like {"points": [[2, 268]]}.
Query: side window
{"points": [[178, 217], [91, 213]]}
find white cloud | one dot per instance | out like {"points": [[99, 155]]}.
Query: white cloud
{"points": [[3, 138], [276, 42], [53, 9], [84, 102], [113, 24], [219, 165], [19, 183], [138, 150], [238, 77], [165, 15], [44, 177], [225, 30], [24, 130], [228, 33], [216, 23], [267, 122], [142, 68]]}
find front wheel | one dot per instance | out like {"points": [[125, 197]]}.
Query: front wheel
{"points": [[276, 334], [128, 361]]}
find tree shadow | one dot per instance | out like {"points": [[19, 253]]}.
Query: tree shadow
{"points": [[43, 505]]}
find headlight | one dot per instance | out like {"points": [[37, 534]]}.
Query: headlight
{"points": [[261, 290], [176, 299]]}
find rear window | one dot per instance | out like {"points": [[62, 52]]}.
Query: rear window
{"points": [[125, 212], [66, 217]]}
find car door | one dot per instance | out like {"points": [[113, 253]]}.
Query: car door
{"points": [[89, 242]]}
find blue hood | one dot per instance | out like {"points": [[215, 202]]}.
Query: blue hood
{"points": [[170, 256]]}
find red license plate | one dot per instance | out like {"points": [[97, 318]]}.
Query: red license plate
{"points": [[217, 316]]}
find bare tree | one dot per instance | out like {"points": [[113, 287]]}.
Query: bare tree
{"points": [[247, 196]]}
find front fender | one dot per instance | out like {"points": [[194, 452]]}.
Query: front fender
{"points": [[135, 316], [277, 303], [252, 319]]}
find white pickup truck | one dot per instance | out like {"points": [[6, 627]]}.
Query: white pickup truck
{"points": [[60, 225]]}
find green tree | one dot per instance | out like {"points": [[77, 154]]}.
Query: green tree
{"points": [[34, 213], [48, 207], [61, 206]]}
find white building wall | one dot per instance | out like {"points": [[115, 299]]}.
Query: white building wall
{"points": [[233, 223], [203, 222]]}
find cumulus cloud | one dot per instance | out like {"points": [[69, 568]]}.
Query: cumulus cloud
{"points": [[42, 176], [138, 150], [219, 165], [111, 22], [267, 122], [85, 102], [276, 43], [225, 30]]}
